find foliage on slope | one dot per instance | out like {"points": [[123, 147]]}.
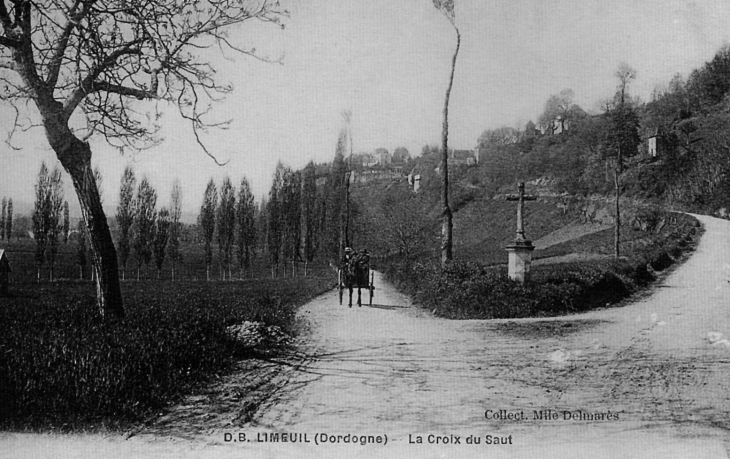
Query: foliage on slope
{"points": [[468, 290]]}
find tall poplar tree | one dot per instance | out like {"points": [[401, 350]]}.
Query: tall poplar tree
{"points": [[173, 246], [226, 221], [125, 216], [246, 225], [144, 222], [333, 215], [206, 220], [160, 239], [309, 215], [47, 217], [291, 217], [54, 219], [274, 216], [2, 218], [66, 223], [40, 215], [9, 220]]}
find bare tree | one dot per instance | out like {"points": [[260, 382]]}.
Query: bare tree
{"points": [[623, 138], [447, 8], [98, 59]]}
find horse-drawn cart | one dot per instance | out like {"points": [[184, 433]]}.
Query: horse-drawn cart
{"points": [[355, 273]]}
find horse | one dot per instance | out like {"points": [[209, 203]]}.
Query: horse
{"points": [[355, 275]]}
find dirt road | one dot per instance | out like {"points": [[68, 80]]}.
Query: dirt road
{"points": [[651, 379]]}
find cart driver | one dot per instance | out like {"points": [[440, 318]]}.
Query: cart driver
{"points": [[364, 257]]}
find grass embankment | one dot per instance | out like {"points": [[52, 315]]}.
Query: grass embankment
{"points": [[62, 367], [468, 290]]}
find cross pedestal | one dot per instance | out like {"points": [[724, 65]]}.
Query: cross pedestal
{"points": [[520, 252], [520, 258]]}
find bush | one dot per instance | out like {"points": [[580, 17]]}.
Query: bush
{"points": [[464, 290]]}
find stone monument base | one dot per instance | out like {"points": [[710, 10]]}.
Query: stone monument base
{"points": [[520, 258]]}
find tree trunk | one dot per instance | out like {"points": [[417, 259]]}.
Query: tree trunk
{"points": [[617, 232], [447, 216], [76, 160]]}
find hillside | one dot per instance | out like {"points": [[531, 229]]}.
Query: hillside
{"points": [[391, 219]]}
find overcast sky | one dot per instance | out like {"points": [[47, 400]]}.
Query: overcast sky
{"points": [[388, 62]]}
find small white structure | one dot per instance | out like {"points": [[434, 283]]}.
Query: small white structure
{"points": [[654, 142]]}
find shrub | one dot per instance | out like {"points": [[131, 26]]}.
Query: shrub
{"points": [[464, 290]]}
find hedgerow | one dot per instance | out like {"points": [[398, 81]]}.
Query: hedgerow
{"points": [[466, 290]]}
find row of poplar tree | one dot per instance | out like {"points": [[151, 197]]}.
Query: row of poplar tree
{"points": [[304, 221], [145, 230], [230, 218], [50, 218], [299, 221]]}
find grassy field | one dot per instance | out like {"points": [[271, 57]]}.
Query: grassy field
{"points": [[192, 268], [62, 367]]}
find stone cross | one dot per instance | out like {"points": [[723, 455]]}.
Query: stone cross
{"points": [[520, 198]]}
